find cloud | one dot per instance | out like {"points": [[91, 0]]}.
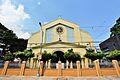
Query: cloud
{"points": [[12, 16]]}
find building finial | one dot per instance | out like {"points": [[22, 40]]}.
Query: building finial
{"points": [[40, 23], [59, 16]]}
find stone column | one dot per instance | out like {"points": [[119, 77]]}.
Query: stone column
{"points": [[86, 63], [34, 62], [71, 64], [90, 62], [83, 63], [49, 63], [46, 64], [67, 64], [31, 63]]}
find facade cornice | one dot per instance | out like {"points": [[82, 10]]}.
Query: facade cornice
{"points": [[46, 45]]}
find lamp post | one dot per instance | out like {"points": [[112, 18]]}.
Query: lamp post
{"points": [[40, 55]]}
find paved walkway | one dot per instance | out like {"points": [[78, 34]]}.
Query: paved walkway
{"points": [[55, 78]]}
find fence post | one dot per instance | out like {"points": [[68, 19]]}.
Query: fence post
{"points": [[97, 66], [22, 70], [116, 66], [4, 71], [78, 68], [59, 68], [41, 68]]}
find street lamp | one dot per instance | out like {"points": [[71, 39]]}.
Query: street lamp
{"points": [[39, 57]]}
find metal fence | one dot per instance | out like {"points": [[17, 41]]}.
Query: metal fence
{"points": [[14, 65], [1, 64], [106, 64]]}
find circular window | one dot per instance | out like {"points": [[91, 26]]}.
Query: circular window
{"points": [[59, 29]]}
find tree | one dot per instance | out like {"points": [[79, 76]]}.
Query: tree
{"points": [[90, 50], [11, 41], [54, 58], [113, 55], [46, 56], [19, 45], [24, 55], [115, 30], [8, 57], [92, 55], [7, 36], [71, 56], [76, 57]]}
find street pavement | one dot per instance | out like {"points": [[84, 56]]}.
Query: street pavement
{"points": [[56, 78]]}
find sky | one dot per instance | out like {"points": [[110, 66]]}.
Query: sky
{"points": [[93, 16]]}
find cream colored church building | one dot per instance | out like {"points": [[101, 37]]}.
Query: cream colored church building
{"points": [[59, 36]]}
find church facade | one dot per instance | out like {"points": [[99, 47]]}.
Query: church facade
{"points": [[59, 36]]}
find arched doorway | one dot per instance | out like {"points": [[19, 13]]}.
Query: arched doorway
{"points": [[59, 57]]}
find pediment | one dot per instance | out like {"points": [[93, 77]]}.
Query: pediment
{"points": [[60, 21]]}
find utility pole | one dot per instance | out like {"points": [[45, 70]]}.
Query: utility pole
{"points": [[40, 55]]}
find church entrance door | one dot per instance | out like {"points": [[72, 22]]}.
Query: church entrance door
{"points": [[59, 57]]}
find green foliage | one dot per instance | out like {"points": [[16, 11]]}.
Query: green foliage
{"points": [[94, 56], [54, 58], [90, 50], [25, 55], [76, 57], [7, 36], [71, 56], [113, 55], [115, 30], [46, 56], [8, 57]]}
